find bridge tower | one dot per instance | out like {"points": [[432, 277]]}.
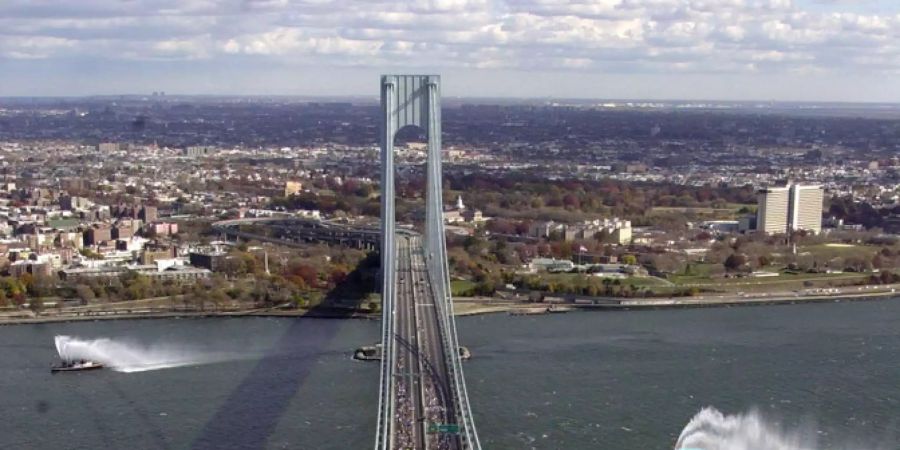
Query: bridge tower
{"points": [[416, 100], [412, 100]]}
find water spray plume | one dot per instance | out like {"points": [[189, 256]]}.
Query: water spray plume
{"points": [[712, 430], [131, 357]]}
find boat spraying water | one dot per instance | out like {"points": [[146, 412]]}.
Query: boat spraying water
{"points": [[124, 356], [712, 430]]}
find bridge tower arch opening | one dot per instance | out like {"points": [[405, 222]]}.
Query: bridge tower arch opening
{"points": [[410, 180]]}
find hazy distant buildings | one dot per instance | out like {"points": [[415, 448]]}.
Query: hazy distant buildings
{"points": [[790, 208], [71, 203], [198, 150], [106, 147]]}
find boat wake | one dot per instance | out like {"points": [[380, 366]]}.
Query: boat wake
{"points": [[712, 430], [124, 356]]}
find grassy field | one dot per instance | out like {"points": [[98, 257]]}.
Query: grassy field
{"points": [[575, 279], [699, 273], [730, 211], [461, 288], [700, 277], [829, 251], [782, 282]]}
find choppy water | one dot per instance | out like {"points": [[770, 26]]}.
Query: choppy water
{"points": [[815, 377]]}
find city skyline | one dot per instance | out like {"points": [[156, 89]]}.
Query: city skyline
{"points": [[773, 50]]}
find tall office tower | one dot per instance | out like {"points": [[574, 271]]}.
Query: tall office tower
{"points": [[790, 208], [772, 213], [806, 208]]}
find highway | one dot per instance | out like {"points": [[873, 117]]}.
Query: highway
{"points": [[422, 394]]}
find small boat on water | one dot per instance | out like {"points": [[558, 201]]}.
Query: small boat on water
{"points": [[75, 366]]}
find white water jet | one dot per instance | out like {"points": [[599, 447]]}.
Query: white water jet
{"points": [[712, 430], [124, 356]]}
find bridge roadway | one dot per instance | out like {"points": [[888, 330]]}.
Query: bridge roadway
{"points": [[421, 394]]}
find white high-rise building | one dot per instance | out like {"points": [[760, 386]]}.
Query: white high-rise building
{"points": [[772, 213], [806, 208], [790, 208]]}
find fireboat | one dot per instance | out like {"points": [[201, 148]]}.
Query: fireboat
{"points": [[76, 366]]}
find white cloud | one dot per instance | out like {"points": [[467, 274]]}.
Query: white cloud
{"points": [[33, 47], [637, 36]]}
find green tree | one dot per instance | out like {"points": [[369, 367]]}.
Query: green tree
{"points": [[85, 293], [40, 286], [36, 305], [735, 261]]}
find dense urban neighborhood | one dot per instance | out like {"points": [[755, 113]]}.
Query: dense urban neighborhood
{"points": [[162, 203]]}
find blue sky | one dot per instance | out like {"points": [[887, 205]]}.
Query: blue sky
{"points": [[828, 50]]}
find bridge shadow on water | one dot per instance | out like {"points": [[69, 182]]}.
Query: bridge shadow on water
{"points": [[251, 413]]}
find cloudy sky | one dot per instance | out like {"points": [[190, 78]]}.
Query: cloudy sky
{"points": [[830, 50]]}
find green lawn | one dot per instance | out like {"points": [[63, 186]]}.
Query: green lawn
{"points": [[783, 282], [646, 282], [839, 251], [699, 273], [461, 288], [700, 277], [729, 212], [570, 279]]}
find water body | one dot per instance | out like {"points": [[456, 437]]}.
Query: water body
{"points": [[820, 376]]}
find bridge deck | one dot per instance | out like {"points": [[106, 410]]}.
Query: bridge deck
{"points": [[422, 392]]}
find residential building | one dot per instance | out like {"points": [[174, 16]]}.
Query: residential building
{"points": [[150, 256], [617, 230], [772, 211], [106, 147], [97, 234], [473, 216], [211, 260], [198, 150], [123, 230], [806, 208], [791, 208], [149, 214], [162, 228], [69, 203], [292, 188], [19, 268]]}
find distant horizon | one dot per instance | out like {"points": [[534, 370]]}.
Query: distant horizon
{"points": [[525, 99], [831, 51]]}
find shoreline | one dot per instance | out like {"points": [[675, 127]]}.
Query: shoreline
{"points": [[689, 302], [113, 315], [471, 306]]}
